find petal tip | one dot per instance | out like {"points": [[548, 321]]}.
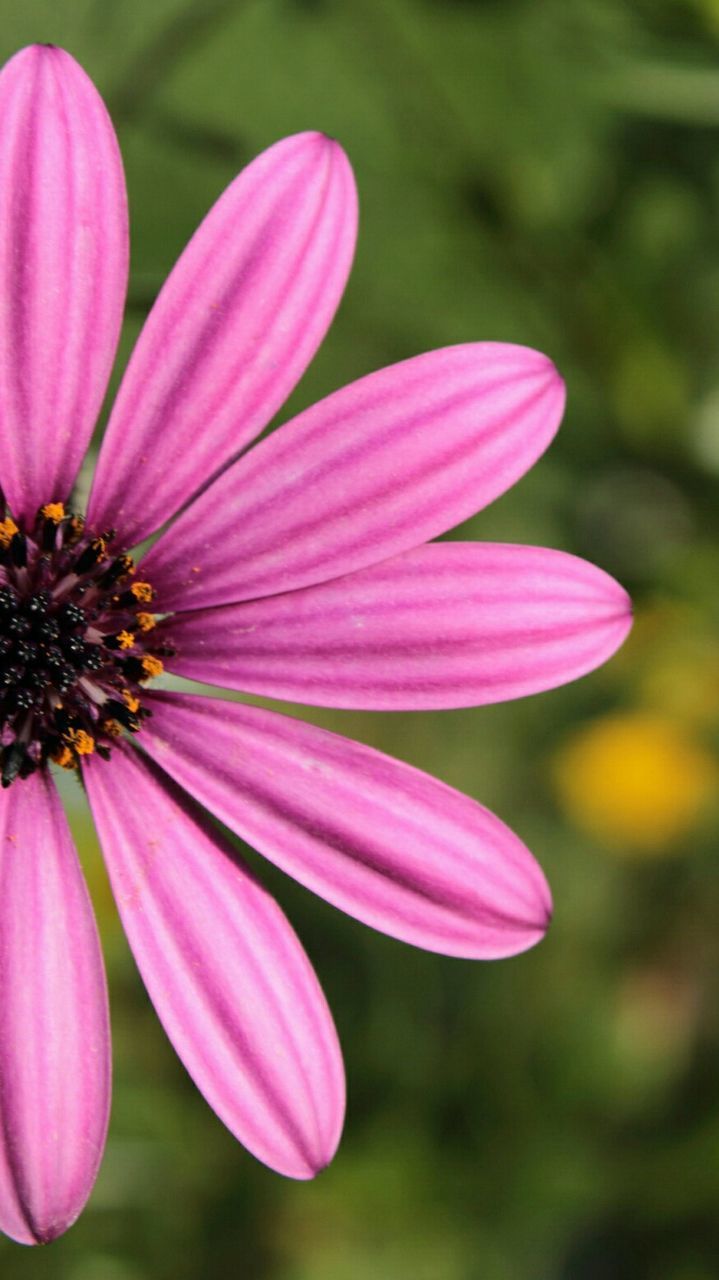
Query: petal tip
{"points": [[554, 379], [307, 1171], [618, 606], [318, 140], [315, 1152], [315, 143], [45, 1234], [625, 611], [543, 371], [306, 1153], [545, 907], [627, 604], [32, 54], [302, 1162], [533, 368], [329, 149], [35, 1230], [322, 147], [536, 915]]}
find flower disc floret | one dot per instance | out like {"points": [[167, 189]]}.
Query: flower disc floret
{"points": [[72, 642]]}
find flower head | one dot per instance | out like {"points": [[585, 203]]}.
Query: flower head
{"points": [[299, 569]]}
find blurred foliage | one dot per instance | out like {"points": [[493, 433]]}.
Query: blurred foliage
{"points": [[538, 172]]}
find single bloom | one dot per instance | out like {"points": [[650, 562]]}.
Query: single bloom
{"points": [[302, 569]]}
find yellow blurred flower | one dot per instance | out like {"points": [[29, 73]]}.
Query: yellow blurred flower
{"points": [[635, 779]]}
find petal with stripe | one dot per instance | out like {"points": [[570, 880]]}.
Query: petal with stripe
{"points": [[373, 470], [382, 841], [54, 1030], [231, 333], [63, 271], [449, 624], [232, 986]]}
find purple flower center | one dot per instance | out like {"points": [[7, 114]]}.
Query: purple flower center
{"points": [[74, 643]]}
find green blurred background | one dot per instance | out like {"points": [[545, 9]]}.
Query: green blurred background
{"points": [[535, 171]]}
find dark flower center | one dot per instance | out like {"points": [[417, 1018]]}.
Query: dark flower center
{"points": [[75, 643]]}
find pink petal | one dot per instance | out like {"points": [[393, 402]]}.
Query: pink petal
{"points": [[234, 990], [63, 270], [54, 1031], [386, 843], [231, 333], [371, 471], [447, 625]]}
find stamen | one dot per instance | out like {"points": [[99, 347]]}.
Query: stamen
{"points": [[118, 711], [81, 741], [94, 552], [142, 591], [54, 511], [119, 568], [8, 529]]}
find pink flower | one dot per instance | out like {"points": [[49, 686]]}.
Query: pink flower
{"points": [[300, 570]]}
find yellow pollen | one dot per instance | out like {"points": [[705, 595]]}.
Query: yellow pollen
{"points": [[113, 727], [142, 591], [54, 511], [64, 757], [125, 639], [8, 529], [152, 666], [131, 702], [145, 621], [81, 741]]}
